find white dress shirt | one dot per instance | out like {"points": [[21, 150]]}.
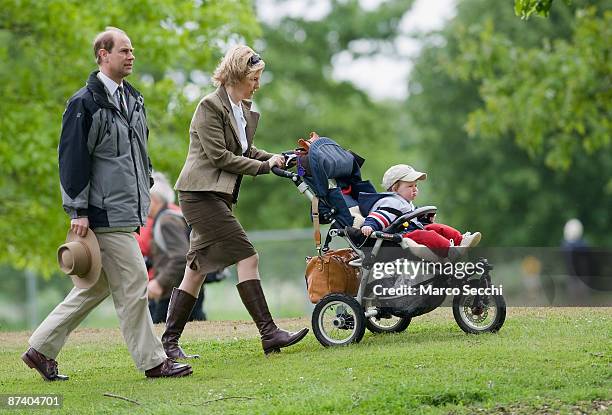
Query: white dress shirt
{"points": [[111, 87], [241, 121]]}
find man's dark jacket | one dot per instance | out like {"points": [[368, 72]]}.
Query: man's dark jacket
{"points": [[103, 163]]}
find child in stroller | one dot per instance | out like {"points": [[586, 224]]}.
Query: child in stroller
{"points": [[329, 176], [384, 208]]}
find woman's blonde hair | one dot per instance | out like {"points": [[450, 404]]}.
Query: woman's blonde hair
{"points": [[239, 62]]}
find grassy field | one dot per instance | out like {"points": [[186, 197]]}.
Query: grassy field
{"points": [[543, 361]]}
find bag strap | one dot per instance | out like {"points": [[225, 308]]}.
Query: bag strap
{"points": [[316, 224]]}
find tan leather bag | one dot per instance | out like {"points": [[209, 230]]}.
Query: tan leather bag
{"points": [[331, 273]]}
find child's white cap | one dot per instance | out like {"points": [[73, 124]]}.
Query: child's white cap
{"points": [[401, 172]]}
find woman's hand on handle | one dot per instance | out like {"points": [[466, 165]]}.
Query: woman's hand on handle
{"points": [[276, 160]]}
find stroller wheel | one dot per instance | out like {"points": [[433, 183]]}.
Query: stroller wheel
{"points": [[486, 316], [387, 324], [338, 320]]}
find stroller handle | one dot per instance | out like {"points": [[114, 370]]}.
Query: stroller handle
{"points": [[282, 173], [290, 161]]}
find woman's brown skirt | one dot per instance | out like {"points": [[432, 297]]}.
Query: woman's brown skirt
{"points": [[217, 239]]}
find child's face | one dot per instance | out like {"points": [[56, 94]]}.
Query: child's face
{"points": [[407, 190]]}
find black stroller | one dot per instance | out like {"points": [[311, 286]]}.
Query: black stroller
{"points": [[330, 176]]}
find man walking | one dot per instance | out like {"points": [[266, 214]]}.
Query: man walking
{"points": [[105, 178]]}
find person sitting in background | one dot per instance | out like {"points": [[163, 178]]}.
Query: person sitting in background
{"points": [[166, 243], [401, 183]]}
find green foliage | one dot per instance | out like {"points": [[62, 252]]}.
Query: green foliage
{"points": [[483, 180], [46, 55], [556, 99], [525, 8]]}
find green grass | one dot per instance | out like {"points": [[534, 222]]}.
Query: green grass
{"points": [[542, 361]]}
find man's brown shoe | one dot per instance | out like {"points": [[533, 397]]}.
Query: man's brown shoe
{"points": [[169, 369], [46, 367]]}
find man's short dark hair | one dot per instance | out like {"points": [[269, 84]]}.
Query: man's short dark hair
{"points": [[105, 40]]}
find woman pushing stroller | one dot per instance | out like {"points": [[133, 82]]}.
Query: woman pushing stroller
{"points": [[221, 151], [400, 181]]}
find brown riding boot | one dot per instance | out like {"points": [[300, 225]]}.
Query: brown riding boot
{"points": [[272, 338], [181, 304]]}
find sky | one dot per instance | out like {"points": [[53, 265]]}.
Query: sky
{"points": [[382, 76]]}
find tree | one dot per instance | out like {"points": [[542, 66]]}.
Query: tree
{"points": [[46, 55], [486, 181], [555, 99]]}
